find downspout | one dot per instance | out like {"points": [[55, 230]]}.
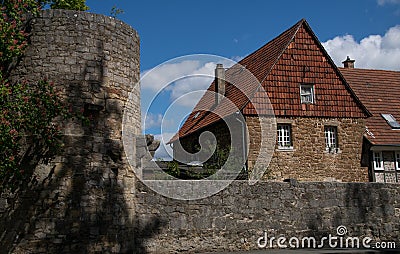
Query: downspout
{"points": [[244, 147]]}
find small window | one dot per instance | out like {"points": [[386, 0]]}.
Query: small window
{"points": [[284, 136], [307, 93], [398, 160], [331, 143], [391, 121], [378, 162]]}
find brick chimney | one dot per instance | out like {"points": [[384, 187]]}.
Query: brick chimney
{"points": [[348, 63], [219, 83]]}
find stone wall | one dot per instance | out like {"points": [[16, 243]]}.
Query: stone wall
{"points": [[309, 160], [82, 201], [235, 218]]}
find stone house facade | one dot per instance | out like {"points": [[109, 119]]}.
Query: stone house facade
{"points": [[319, 121], [308, 158]]}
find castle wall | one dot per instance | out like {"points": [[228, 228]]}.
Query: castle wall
{"points": [[82, 201], [238, 216]]}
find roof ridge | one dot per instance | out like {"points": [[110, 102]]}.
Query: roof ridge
{"points": [[297, 25], [274, 39], [367, 69]]}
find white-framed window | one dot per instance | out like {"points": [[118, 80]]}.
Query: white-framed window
{"points": [[377, 160], [307, 93], [284, 136], [331, 143], [398, 160]]}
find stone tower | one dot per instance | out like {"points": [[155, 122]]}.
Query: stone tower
{"points": [[83, 201]]}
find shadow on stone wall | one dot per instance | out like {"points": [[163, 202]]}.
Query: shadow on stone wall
{"points": [[361, 208], [40, 219], [79, 204], [373, 208]]}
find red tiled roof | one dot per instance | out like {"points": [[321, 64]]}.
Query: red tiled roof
{"points": [[305, 61], [294, 57], [259, 63], [379, 91]]}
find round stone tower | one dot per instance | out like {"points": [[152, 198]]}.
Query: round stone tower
{"points": [[83, 201]]}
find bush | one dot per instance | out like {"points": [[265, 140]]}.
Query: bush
{"points": [[79, 5], [27, 109]]}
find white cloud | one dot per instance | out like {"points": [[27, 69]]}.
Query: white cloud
{"points": [[155, 120], [180, 78], [383, 2], [172, 89], [151, 120], [161, 76], [199, 80], [372, 52]]}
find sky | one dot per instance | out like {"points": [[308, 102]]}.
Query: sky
{"points": [[366, 30]]}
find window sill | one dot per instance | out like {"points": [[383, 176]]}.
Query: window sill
{"points": [[334, 151], [285, 149], [378, 170]]}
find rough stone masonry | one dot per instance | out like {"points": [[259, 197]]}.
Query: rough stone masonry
{"points": [[83, 201], [89, 201]]}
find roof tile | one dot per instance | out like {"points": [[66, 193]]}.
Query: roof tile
{"points": [[294, 57], [379, 91]]}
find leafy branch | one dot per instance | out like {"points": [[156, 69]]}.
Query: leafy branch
{"points": [[115, 11], [27, 109]]}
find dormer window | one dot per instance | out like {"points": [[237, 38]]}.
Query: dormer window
{"points": [[196, 115], [391, 121], [307, 93]]}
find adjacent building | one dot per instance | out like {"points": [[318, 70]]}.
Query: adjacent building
{"points": [[379, 90]]}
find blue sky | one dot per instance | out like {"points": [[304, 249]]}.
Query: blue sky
{"points": [[367, 30]]}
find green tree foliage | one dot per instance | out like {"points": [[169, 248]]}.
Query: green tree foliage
{"points": [[27, 109], [78, 5]]}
